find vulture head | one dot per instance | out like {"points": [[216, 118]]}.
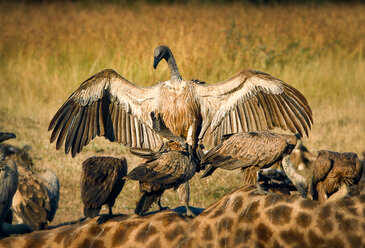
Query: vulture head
{"points": [[161, 52]]}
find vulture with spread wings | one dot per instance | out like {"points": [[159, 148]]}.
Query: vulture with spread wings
{"points": [[109, 105]]}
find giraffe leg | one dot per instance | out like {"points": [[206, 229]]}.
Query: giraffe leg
{"points": [[184, 195]]}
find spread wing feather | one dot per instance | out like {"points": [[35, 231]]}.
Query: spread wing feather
{"points": [[106, 105], [100, 174], [251, 101]]}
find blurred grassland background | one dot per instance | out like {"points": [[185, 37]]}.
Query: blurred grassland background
{"points": [[47, 50]]}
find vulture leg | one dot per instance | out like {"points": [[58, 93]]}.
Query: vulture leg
{"points": [[298, 180], [160, 206], [184, 195], [110, 210]]}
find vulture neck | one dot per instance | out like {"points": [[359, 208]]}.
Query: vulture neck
{"points": [[174, 71]]}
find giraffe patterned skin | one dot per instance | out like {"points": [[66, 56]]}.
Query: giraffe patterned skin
{"points": [[242, 218]]}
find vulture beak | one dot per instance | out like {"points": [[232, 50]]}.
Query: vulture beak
{"points": [[155, 62]]}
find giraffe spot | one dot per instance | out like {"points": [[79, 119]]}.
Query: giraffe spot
{"points": [[346, 203], [195, 226], [120, 236], [276, 244], [146, 231], [280, 214], [250, 213], [217, 213], [258, 244], [155, 243], [168, 219], [336, 243], [263, 232], [223, 242], [242, 236], [207, 233], [347, 224], [326, 226], [273, 199], [363, 226], [171, 235], [38, 240], [354, 240], [96, 244], [314, 239], [293, 236], [205, 212], [363, 212], [352, 211], [304, 219], [95, 230], [237, 204], [61, 235], [362, 198], [85, 243], [325, 211], [225, 224], [309, 204]]}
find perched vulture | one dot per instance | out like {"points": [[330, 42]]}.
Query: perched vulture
{"points": [[8, 182], [251, 152], [101, 182], [171, 167], [109, 105], [333, 171], [36, 200]]}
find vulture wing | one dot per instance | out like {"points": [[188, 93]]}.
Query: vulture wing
{"points": [[251, 101], [169, 168], [245, 149], [106, 105], [100, 174], [31, 202]]}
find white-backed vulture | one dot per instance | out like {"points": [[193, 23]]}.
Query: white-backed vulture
{"points": [[20, 156], [36, 200], [109, 105], [8, 182], [251, 152], [333, 172], [170, 167], [101, 182]]}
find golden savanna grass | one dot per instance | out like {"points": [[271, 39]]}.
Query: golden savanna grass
{"points": [[47, 50]]}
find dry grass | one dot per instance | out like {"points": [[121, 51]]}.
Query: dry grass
{"points": [[46, 51]]}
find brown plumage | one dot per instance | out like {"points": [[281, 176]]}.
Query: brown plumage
{"points": [[108, 105], [36, 201], [101, 182], [170, 167], [333, 170], [250, 151], [8, 182]]}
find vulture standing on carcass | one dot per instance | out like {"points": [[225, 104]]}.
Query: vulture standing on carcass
{"points": [[252, 152], [170, 167], [101, 182], [36, 200], [8, 181], [334, 173], [109, 105]]}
